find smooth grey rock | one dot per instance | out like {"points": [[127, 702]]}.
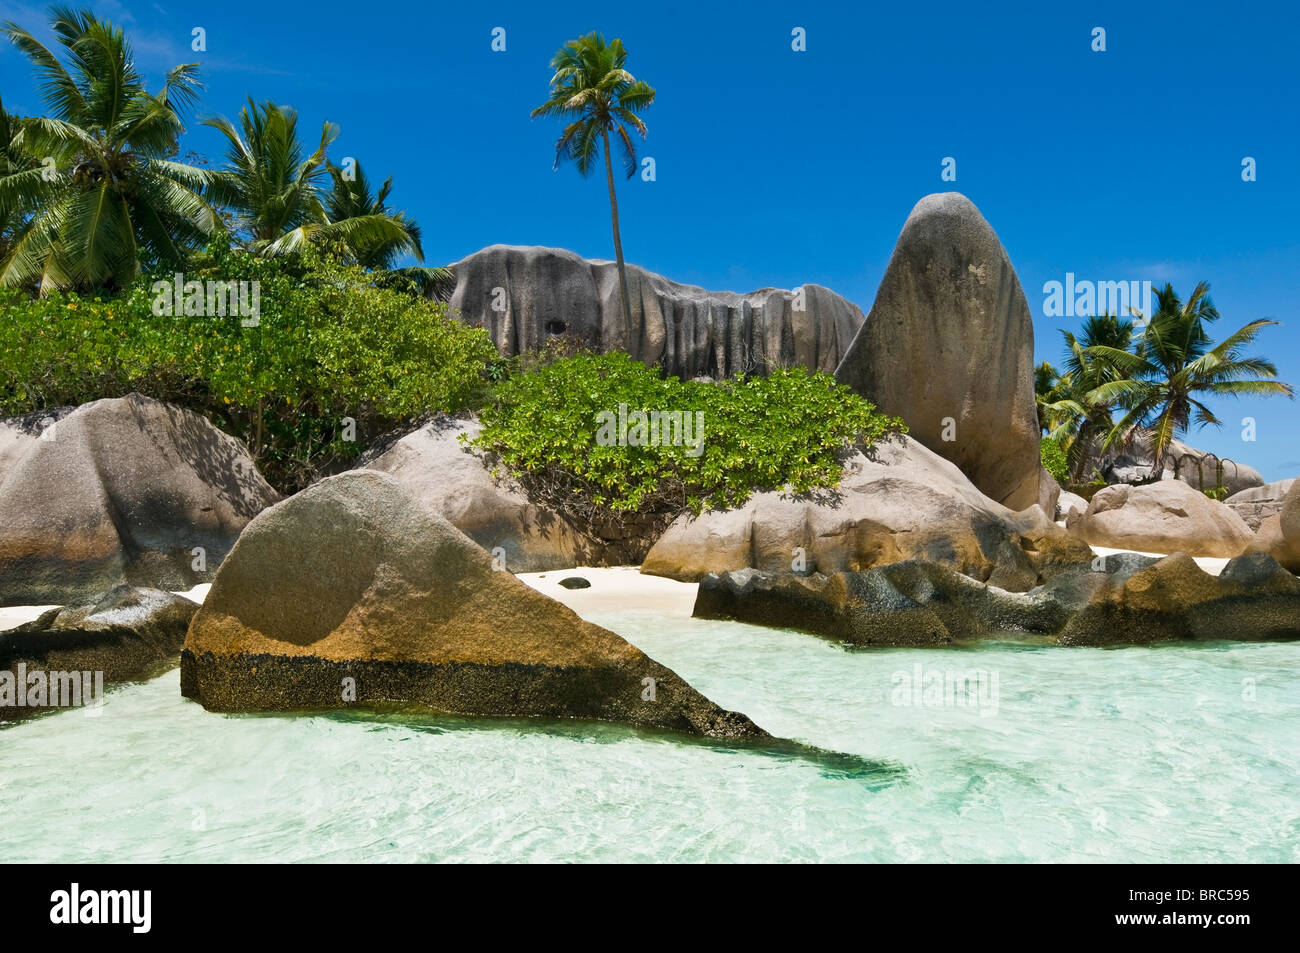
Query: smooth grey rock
{"points": [[950, 337], [123, 493], [456, 483], [1164, 517], [896, 502]]}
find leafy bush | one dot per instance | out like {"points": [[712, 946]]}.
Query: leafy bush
{"points": [[559, 431], [1219, 493], [328, 346], [1054, 460]]}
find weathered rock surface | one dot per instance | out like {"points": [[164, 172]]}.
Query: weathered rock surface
{"points": [[1196, 468], [122, 494], [899, 502], [127, 634], [1256, 504], [354, 579], [457, 485], [1279, 535], [1164, 517], [950, 338], [527, 295], [1125, 599], [1069, 503]]}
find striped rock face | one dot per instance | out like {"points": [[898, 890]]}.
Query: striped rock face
{"points": [[527, 296]]}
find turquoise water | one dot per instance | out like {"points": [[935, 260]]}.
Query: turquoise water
{"points": [[1105, 755]]}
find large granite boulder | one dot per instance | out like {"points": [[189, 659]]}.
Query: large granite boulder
{"points": [[1164, 517], [353, 594], [125, 635], [525, 296], [455, 482], [124, 492], [1125, 599], [897, 502], [17, 434], [949, 347], [1279, 535], [1257, 503]]}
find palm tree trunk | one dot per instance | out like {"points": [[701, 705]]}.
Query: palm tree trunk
{"points": [[618, 243]]}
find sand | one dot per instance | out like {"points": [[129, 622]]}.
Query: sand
{"points": [[621, 588]]}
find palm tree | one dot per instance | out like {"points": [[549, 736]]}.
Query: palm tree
{"points": [[1175, 363], [597, 95], [114, 197], [274, 189], [13, 215], [351, 197]]}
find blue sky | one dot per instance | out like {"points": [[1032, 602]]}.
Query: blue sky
{"points": [[777, 167]]}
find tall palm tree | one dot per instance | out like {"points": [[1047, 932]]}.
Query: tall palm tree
{"points": [[1174, 365], [115, 196], [274, 188], [597, 96]]}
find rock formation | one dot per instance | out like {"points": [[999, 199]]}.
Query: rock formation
{"points": [[127, 634], [457, 485], [898, 502], [1279, 535], [1256, 504], [949, 347], [353, 594], [122, 491], [1123, 599], [1164, 517], [525, 296]]}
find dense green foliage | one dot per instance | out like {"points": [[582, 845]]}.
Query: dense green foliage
{"points": [[328, 345], [1054, 461], [789, 430]]}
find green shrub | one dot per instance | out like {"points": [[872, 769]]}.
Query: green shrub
{"points": [[1219, 493], [328, 346], [558, 430], [1054, 460]]}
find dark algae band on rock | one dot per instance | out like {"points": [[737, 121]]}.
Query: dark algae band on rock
{"points": [[1125, 599], [126, 635], [353, 593]]}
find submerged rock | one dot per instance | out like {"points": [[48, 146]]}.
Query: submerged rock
{"points": [[526, 296], [1164, 517], [122, 492], [897, 502], [127, 634], [1120, 600], [353, 594], [949, 347]]}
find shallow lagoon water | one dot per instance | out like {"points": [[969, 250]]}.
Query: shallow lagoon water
{"points": [[1188, 753]]}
